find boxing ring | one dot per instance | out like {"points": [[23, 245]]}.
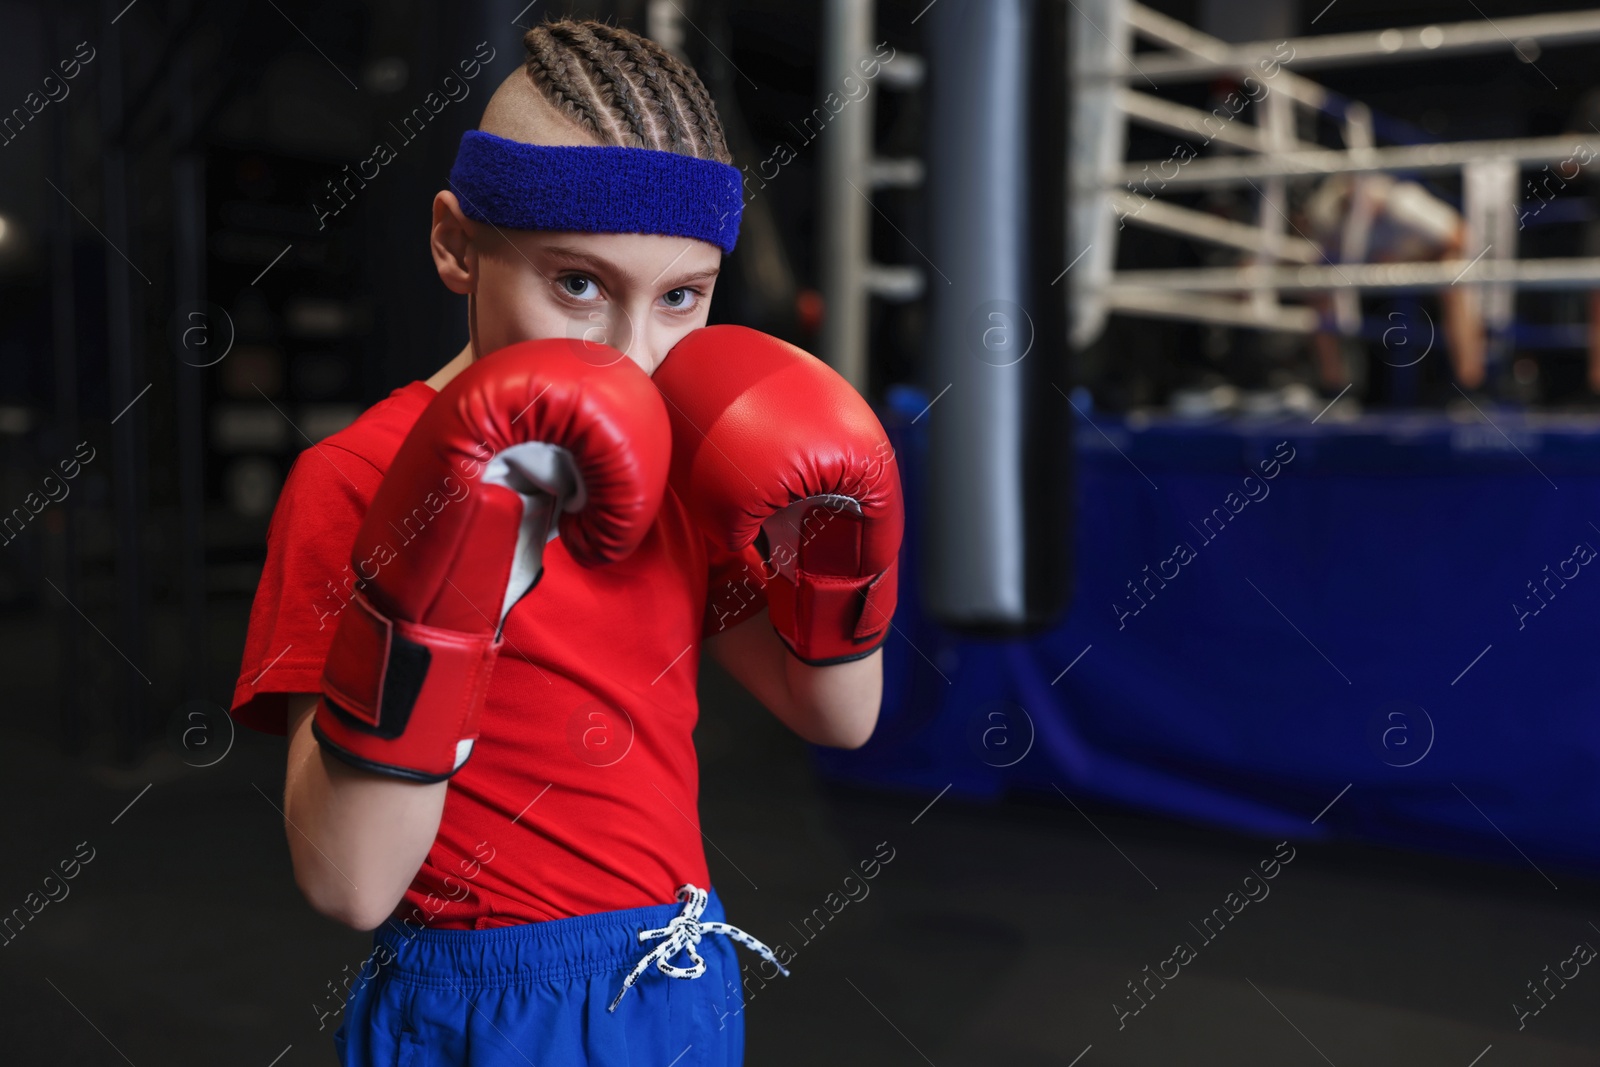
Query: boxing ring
{"points": [[1384, 638], [1109, 194], [1399, 609]]}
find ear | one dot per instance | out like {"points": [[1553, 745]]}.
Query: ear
{"points": [[451, 241]]}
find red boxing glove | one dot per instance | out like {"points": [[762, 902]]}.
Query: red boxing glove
{"points": [[769, 442], [529, 441]]}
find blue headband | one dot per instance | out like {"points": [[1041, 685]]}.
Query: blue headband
{"points": [[596, 189]]}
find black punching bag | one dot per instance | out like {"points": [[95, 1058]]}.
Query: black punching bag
{"points": [[998, 498]]}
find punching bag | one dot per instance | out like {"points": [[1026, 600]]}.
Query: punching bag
{"points": [[998, 497]]}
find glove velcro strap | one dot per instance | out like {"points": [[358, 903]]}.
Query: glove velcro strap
{"points": [[400, 697], [825, 619], [882, 596]]}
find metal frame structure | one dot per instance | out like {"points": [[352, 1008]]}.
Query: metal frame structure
{"points": [[849, 174], [1109, 193]]}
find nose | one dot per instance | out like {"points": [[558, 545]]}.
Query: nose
{"points": [[644, 361], [649, 356], [640, 340], [629, 329]]}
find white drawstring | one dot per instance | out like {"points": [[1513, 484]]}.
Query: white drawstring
{"points": [[684, 932]]}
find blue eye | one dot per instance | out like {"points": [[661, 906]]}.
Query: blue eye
{"points": [[681, 298], [574, 285]]}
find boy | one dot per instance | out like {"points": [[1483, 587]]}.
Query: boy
{"points": [[479, 615]]}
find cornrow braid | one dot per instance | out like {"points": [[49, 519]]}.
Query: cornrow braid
{"points": [[656, 63], [613, 84], [549, 65], [701, 112], [642, 68], [624, 89]]}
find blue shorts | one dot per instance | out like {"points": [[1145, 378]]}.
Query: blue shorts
{"points": [[538, 993]]}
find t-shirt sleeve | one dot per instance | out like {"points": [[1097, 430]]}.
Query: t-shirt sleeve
{"points": [[737, 589], [305, 582]]}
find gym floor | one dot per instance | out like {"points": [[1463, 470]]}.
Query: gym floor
{"points": [[997, 934]]}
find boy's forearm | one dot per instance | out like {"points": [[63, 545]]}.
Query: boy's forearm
{"points": [[839, 702], [835, 706], [356, 839]]}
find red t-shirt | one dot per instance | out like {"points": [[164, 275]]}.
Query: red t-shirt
{"points": [[581, 794]]}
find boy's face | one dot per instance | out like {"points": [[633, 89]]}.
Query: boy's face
{"points": [[638, 293]]}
